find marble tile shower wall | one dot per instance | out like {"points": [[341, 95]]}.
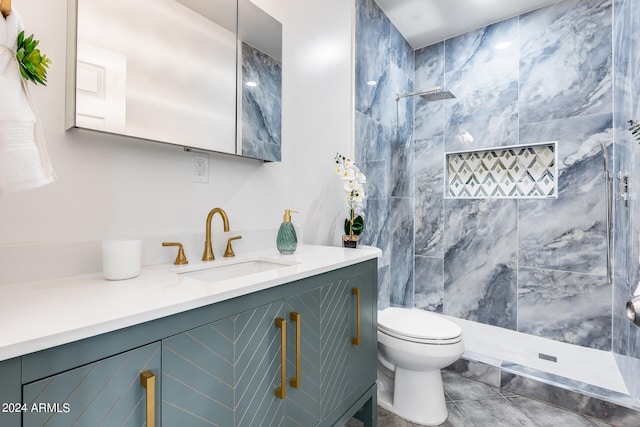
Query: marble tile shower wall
{"points": [[536, 266], [384, 67]]}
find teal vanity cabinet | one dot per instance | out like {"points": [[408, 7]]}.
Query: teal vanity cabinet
{"points": [[230, 372], [300, 353]]}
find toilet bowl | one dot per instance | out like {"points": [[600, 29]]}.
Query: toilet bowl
{"points": [[413, 345]]}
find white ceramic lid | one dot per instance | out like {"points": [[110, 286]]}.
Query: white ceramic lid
{"points": [[417, 324]]}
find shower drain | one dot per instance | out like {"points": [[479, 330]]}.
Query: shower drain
{"points": [[548, 357]]}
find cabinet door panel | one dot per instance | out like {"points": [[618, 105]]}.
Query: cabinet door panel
{"points": [[335, 342], [257, 370], [198, 380], [106, 393], [303, 404], [363, 357], [225, 373]]}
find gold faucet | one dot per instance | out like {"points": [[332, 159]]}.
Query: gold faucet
{"points": [[208, 249]]}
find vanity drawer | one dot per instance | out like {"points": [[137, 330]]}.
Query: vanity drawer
{"points": [[107, 392]]}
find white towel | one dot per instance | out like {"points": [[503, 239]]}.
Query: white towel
{"points": [[24, 162]]}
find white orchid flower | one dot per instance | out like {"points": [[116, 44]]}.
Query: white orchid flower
{"points": [[349, 186], [347, 173]]}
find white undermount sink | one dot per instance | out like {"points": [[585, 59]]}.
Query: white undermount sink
{"points": [[238, 269]]}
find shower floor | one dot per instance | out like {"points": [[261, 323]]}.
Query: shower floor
{"points": [[520, 353]]}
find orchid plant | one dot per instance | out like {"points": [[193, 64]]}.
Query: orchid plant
{"points": [[354, 195]]}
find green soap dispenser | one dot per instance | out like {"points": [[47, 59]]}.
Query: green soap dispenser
{"points": [[287, 241]]}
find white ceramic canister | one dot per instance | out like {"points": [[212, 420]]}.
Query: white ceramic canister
{"points": [[121, 258]]}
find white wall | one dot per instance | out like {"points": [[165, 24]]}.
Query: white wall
{"points": [[117, 186]]}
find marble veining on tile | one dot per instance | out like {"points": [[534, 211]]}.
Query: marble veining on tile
{"points": [[402, 167], [401, 235], [261, 105], [568, 233], [549, 40], [375, 139], [487, 44], [384, 289], [577, 307], [429, 206], [429, 117], [376, 230], [480, 261], [371, 54], [485, 110], [429, 288]]}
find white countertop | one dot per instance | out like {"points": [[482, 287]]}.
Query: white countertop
{"points": [[44, 314]]}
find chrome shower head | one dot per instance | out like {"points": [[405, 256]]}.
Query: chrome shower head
{"points": [[438, 95], [429, 95]]}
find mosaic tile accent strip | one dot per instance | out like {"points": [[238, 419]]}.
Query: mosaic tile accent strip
{"points": [[503, 172]]}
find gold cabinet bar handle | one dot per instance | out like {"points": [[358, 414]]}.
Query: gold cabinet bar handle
{"points": [[356, 292], [297, 318], [281, 392], [148, 381]]}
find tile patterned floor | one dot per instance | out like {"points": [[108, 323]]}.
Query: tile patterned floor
{"points": [[475, 404]]}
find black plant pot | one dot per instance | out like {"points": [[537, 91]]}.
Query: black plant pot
{"points": [[350, 241]]}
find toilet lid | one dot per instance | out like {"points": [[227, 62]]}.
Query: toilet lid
{"points": [[417, 324]]}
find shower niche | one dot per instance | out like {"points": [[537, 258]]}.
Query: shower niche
{"points": [[522, 171]]}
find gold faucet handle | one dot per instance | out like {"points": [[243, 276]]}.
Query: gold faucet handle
{"points": [[181, 259], [229, 251]]}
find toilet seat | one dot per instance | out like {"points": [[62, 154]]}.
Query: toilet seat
{"points": [[418, 326]]}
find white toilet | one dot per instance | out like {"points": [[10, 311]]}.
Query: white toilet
{"points": [[413, 345]]}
